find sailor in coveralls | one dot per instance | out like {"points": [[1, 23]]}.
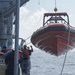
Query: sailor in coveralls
{"points": [[25, 60]]}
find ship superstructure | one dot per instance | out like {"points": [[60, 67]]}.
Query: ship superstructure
{"points": [[7, 20]]}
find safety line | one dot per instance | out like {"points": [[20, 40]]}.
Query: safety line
{"points": [[66, 50]]}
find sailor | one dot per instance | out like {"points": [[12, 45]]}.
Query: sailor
{"points": [[9, 60], [4, 49], [2, 63], [25, 60], [30, 50]]}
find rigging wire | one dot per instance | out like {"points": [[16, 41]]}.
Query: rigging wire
{"points": [[66, 50], [27, 38], [28, 43], [63, 63], [55, 9], [55, 3]]}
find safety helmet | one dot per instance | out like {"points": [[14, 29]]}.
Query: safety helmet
{"points": [[4, 47], [25, 45], [22, 47]]}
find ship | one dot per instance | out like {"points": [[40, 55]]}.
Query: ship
{"points": [[56, 36]]}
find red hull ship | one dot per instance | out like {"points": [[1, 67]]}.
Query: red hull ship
{"points": [[56, 36]]}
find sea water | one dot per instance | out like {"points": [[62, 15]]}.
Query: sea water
{"points": [[43, 63]]}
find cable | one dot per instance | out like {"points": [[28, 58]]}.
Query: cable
{"points": [[27, 38], [66, 50], [55, 9], [55, 3]]}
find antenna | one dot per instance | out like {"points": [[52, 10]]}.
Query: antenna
{"points": [[55, 9]]}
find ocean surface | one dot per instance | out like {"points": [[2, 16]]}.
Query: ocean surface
{"points": [[43, 63]]}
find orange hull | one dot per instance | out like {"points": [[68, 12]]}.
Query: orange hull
{"points": [[54, 39]]}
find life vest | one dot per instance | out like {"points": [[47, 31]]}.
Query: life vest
{"points": [[1, 53], [4, 51], [25, 53], [19, 54]]}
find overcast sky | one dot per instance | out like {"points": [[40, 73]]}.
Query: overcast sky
{"points": [[31, 14]]}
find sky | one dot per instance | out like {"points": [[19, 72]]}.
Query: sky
{"points": [[31, 19], [31, 14]]}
